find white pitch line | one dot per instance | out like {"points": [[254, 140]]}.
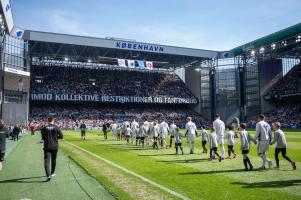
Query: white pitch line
{"points": [[132, 173]]}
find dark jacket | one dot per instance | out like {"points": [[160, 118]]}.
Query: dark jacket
{"points": [[16, 130], [50, 135], [104, 127], [2, 138], [83, 126]]}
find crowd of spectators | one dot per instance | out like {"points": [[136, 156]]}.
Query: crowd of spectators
{"points": [[90, 81], [289, 85], [70, 117], [289, 115]]}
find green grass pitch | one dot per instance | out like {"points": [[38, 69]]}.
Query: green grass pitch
{"points": [[193, 176]]}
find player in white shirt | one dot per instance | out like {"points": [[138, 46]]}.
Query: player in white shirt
{"points": [[213, 144], [135, 129], [125, 125], [146, 125], [281, 145], [164, 131], [204, 139], [128, 131], [219, 127], [231, 142], [191, 132], [142, 133], [172, 129], [264, 137], [178, 140], [155, 134], [245, 142], [114, 130]]}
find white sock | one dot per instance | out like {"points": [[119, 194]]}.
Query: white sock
{"points": [[192, 147], [223, 151], [264, 159], [189, 145]]}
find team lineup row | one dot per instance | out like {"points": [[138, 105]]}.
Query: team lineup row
{"points": [[156, 133]]}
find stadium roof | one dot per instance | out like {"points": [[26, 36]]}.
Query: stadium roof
{"points": [[105, 50], [285, 42]]}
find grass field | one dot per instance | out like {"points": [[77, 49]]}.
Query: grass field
{"points": [[190, 175], [23, 176]]}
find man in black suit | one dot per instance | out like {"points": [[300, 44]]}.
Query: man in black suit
{"points": [[50, 135]]}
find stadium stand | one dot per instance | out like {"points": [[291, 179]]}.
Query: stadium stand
{"points": [[289, 85], [70, 117], [117, 82], [288, 115], [89, 81]]}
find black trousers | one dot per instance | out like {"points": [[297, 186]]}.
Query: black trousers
{"points": [[105, 134], [16, 137], [283, 152], [50, 155]]}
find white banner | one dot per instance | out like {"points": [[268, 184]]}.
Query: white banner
{"points": [[121, 63], [17, 32], [8, 14], [131, 63], [149, 65], [16, 71]]}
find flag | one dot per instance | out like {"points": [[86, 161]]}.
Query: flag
{"points": [[131, 63], [149, 65], [121, 63], [141, 64]]}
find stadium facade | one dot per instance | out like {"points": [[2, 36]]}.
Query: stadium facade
{"points": [[234, 82]]}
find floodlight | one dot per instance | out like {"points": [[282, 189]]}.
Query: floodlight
{"points": [[66, 59]]}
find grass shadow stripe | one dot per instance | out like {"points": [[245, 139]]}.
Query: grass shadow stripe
{"points": [[178, 195]]}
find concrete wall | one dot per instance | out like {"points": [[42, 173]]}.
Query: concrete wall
{"points": [[192, 81], [270, 71]]}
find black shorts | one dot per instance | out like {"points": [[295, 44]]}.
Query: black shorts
{"points": [[282, 150], [230, 146], [214, 149], [142, 138], [172, 136], [2, 157], [138, 138], [204, 142], [83, 133], [178, 144], [245, 151]]}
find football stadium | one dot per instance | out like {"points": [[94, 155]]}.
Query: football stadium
{"points": [[87, 117]]}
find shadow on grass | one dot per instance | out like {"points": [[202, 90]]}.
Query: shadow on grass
{"points": [[126, 148], [25, 180], [183, 161], [161, 154], [269, 184], [214, 172]]}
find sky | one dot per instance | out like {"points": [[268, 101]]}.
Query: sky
{"points": [[203, 24]]}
